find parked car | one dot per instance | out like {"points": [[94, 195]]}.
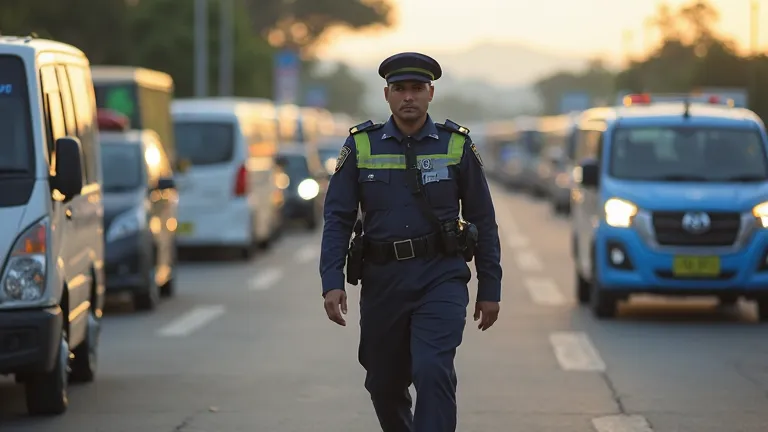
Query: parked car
{"points": [[51, 244], [304, 183], [140, 203]]}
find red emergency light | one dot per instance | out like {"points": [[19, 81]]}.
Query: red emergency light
{"points": [[634, 99], [110, 120]]}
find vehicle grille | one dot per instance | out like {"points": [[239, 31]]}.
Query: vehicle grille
{"points": [[669, 229]]}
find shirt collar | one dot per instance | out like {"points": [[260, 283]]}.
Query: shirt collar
{"points": [[390, 130]]}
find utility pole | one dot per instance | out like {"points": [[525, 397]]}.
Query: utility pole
{"points": [[226, 51], [201, 48]]}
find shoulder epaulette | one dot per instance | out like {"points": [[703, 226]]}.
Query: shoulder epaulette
{"points": [[454, 127], [365, 126]]}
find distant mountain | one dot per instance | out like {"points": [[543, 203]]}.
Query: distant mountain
{"points": [[498, 75]]}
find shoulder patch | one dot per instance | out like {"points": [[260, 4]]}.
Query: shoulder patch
{"points": [[477, 153], [343, 154], [454, 127], [365, 126]]}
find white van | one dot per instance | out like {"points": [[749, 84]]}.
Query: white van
{"points": [[51, 242], [228, 195]]}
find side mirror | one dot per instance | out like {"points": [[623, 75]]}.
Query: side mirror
{"points": [[587, 174], [69, 167], [166, 183]]}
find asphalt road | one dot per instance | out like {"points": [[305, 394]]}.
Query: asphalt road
{"points": [[246, 347]]}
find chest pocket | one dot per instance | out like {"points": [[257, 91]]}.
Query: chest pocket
{"points": [[441, 186], [375, 189]]}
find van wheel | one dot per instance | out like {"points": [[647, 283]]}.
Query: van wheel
{"points": [[149, 298], [86, 359], [583, 289], [169, 287], [46, 393], [762, 309], [602, 303]]}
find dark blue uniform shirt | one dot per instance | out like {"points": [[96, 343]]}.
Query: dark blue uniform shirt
{"points": [[391, 212]]}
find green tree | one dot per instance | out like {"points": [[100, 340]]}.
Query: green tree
{"points": [[344, 90], [302, 23], [596, 80]]}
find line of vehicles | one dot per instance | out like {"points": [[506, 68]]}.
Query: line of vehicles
{"points": [[105, 175], [667, 195]]}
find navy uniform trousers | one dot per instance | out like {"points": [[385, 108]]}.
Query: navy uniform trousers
{"points": [[412, 321]]}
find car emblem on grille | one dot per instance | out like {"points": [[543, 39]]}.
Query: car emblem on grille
{"points": [[696, 223]]}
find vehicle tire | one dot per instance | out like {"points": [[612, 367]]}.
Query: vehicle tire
{"points": [[762, 309], [602, 303], [583, 289], [311, 222], [86, 359], [148, 299], [169, 287], [727, 300], [46, 393]]}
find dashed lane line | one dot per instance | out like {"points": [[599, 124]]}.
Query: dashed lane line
{"points": [[575, 352], [528, 261], [621, 423], [265, 279], [544, 291], [191, 321], [307, 253]]}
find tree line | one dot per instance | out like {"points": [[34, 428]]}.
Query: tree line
{"points": [[690, 56], [159, 34]]}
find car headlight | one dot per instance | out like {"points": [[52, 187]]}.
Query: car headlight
{"points": [[308, 189], [127, 224], [619, 213], [25, 271], [760, 212]]}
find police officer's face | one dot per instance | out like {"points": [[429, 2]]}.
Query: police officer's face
{"points": [[409, 100]]}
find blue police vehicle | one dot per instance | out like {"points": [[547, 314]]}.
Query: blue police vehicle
{"points": [[670, 198]]}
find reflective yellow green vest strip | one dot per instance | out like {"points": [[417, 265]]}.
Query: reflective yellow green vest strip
{"points": [[397, 161]]}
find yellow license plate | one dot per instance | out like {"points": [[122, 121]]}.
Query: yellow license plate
{"points": [[696, 266], [185, 228]]}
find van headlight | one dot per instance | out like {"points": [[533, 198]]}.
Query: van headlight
{"points": [[127, 224], [308, 189], [619, 213], [25, 270], [760, 212]]}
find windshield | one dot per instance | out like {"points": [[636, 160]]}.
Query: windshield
{"points": [[688, 154], [15, 131], [121, 98], [295, 166], [204, 143], [121, 166]]}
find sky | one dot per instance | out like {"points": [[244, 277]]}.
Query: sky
{"points": [[580, 27]]}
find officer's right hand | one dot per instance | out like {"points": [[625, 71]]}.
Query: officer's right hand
{"points": [[336, 305]]}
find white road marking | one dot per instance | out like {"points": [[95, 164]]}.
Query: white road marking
{"points": [[622, 423], [192, 320], [575, 352], [517, 241], [307, 253], [529, 261], [264, 280], [544, 291]]}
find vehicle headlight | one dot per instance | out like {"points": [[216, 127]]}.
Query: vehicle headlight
{"points": [[760, 212], [308, 189], [619, 213], [127, 224], [25, 272]]}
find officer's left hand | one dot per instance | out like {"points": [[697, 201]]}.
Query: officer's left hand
{"points": [[488, 311]]}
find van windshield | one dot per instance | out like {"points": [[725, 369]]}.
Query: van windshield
{"points": [[121, 166], [204, 143], [15, 122], [688, 154]]}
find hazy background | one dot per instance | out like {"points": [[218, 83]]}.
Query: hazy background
{"points": [[500, 57]]}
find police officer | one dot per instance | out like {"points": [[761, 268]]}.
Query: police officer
{"points": [[408, 176]]}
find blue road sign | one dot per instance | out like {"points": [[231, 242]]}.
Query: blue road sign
{"points": [[575, 101], [287, 82]]}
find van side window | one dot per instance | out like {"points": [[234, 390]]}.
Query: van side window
{"points": [[54, 114], [66, 101], [85, 111]]}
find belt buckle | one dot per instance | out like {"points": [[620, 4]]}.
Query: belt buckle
{"points": [[410, 252]]}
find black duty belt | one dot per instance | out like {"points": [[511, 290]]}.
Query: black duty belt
{"points": [[421, 247]]}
